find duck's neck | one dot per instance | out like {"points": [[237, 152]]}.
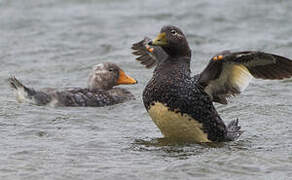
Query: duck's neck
{"points": [[99, 87], [178, 53], [174, 66]]}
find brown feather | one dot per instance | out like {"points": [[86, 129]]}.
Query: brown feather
{"points": [[145, 57]]}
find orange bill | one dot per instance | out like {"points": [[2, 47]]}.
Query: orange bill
{"points": [[125, 79]]}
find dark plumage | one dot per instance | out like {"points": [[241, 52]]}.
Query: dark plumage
{"points": [[100, 91], [180, 105]]}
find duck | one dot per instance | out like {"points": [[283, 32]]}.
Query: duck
{"points": [[101, 90], [182, 105]]}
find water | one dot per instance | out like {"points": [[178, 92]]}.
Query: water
{"points": [[53, 43]]}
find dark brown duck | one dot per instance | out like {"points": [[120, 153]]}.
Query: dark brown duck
{"points": [[100, 91], [181, 105]]}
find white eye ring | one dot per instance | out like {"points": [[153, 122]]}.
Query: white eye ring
{"points": [[173, 32]]}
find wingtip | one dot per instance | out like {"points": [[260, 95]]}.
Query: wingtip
{"points": [[138, 45]]}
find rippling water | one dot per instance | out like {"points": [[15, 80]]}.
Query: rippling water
{"points": [[53, 43]]}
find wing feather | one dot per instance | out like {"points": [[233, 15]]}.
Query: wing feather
{"points": [[231, 73], [147, 57]]}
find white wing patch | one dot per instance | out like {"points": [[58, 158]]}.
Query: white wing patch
{"points": [[232, 77], [240, 77]]}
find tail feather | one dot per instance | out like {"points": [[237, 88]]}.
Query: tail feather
{"points": [[233, 130], [15, 83], [11, 82], [23, 93]]}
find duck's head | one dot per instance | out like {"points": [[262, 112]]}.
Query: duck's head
{"points": [[173, 41], [105, 76]]}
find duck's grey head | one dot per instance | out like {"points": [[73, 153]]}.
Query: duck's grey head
{"points": [[105, 76]]}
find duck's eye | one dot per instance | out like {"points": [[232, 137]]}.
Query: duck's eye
{"points": [[111, 70], [173, 32]]}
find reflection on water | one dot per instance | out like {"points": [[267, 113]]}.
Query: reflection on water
{"points": [[175, 148]]}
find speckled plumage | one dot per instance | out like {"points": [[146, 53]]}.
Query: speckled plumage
{"points": [[86, 97], [100, 91], [173, 91], [173, 86]]}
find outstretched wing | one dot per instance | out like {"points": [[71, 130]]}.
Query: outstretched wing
{"points": [[228, 74], [148, 55]]}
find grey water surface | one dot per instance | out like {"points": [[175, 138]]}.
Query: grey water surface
{"points": [[54, 43]]}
